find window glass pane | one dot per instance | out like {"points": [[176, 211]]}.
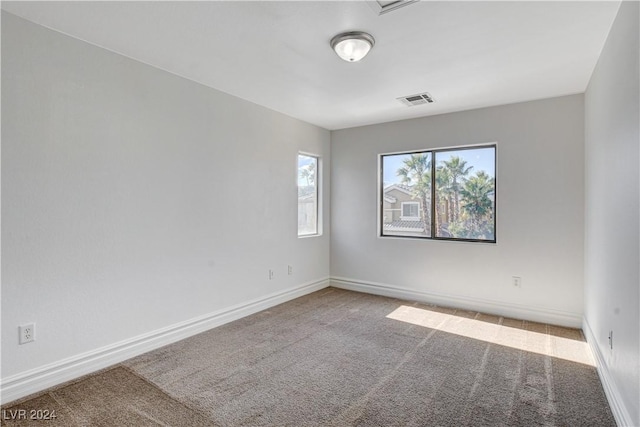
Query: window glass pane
{"points": [[406, 195], [465, 193], [440, 194], [307, 195]]}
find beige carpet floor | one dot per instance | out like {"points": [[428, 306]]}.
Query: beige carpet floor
{"points": [[340, 358]]}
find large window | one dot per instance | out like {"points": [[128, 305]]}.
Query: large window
{"points": [[447, 194], [308, 178]]}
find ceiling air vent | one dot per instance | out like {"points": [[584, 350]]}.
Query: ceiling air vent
{"points": [[419, 99], [384, 6]]}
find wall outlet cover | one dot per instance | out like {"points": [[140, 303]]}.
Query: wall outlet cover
{"points": [[27, 333]]}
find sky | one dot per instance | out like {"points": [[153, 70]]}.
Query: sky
{"points": [[479, 158]]}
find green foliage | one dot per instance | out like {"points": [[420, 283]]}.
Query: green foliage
{"points": [[453, 172], [464, 204], [466, 230], [475, 195], [477, 207], [416, 173]]}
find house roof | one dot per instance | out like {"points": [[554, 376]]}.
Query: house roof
{"points": [[311, 196], [405, 225], [400, 187]]}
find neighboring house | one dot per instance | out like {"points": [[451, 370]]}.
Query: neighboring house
{"points": [[307, 213], [401, 212]]}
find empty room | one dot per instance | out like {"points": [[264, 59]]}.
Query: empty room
{"points": [[320, 213]]}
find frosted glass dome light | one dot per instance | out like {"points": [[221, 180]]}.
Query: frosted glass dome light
{"points": [[352, 46]]}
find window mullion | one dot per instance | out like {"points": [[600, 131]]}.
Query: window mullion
{"points": [[433, 194]]}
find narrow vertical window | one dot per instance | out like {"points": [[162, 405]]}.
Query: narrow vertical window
{"points": [[308, 178]]}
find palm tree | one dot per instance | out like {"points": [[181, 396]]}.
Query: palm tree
{"points": [[312, 172], [416, 173], [308, 173], [458, 170], [476, 200], [443, 197]]}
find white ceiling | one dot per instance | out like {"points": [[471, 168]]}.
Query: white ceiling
{"points": [[277, 54]]}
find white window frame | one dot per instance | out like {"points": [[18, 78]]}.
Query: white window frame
{"points": [[409, 218]]}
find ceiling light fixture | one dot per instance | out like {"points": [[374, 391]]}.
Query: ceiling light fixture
{"points": [[352, 46]]}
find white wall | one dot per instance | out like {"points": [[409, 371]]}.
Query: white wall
{"points": [[539, 213], [612, 243], [122, 214], [133, 199]]}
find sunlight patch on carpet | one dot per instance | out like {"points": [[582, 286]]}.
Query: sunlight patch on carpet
{"points": [[535, 342]]}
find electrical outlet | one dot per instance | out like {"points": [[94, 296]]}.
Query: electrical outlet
{"points": [[271, 274], [27, 333], [517, 281], [290, 270]]}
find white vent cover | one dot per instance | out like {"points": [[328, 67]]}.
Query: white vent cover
{"points": [[384, 6], [418, 99]]}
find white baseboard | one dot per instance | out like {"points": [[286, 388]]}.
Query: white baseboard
{"points": [[41, 378], [543, 315], [620, 412]]}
